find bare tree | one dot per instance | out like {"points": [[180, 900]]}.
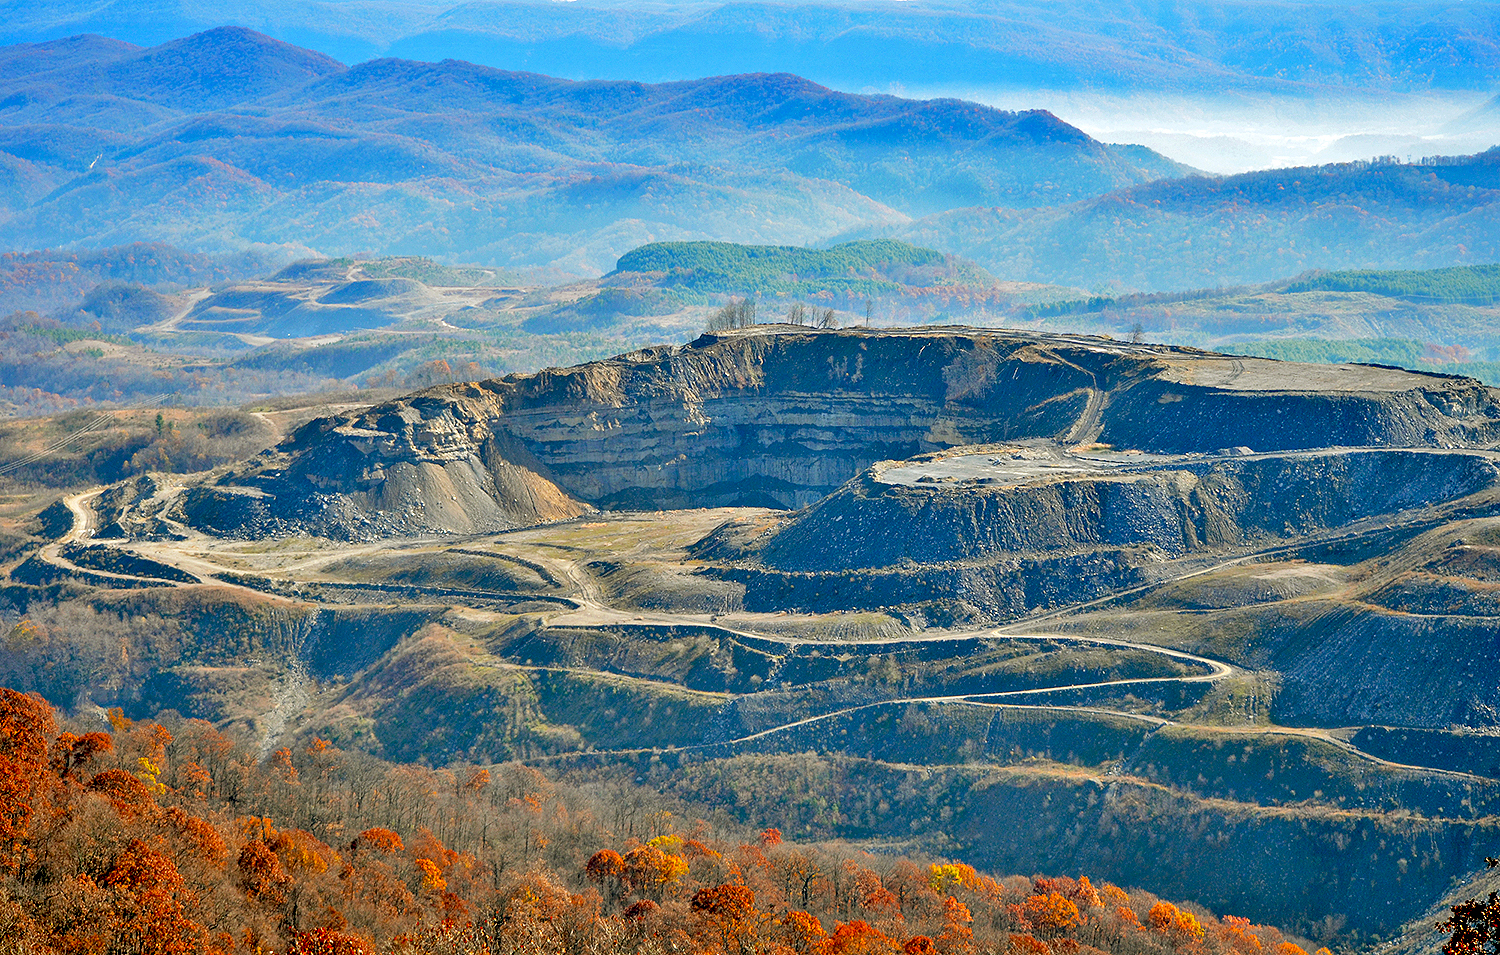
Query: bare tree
{"points": [[736, 314], [827, 319], [721, 319]]}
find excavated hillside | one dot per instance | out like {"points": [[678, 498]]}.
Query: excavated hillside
{"points": [[999, 531], [782, 416], [1020, 499], [1251, 599]]}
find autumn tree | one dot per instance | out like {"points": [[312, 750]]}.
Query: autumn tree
{"points": [[1026, 945], [538, 917], [910, 885], [606, 869], [649, 871], [381, 840], [729, 916], [149, 898], [1052, 914], [71, 754], [435, 372], [323, 941], [958, 936], [262, 876], [26, 729], [799, 931], [176, 839], [1168, 919], [1474, 926], [856, 938], [919, 945]]}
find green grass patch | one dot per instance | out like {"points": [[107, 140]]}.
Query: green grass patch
{"points": [[1405, 352], [1400, 352], [428, 272]]}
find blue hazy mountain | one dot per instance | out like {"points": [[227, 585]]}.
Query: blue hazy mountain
{"points": [[229, 137], [1257, 45], [1208, 231]]}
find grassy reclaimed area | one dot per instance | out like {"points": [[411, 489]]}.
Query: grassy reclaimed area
{"points": [[1401, 352]]}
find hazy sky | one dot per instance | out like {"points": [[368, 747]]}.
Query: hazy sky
{"points": [[1230, 135]]}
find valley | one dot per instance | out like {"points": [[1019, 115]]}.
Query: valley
{"points": [[379, 325]]}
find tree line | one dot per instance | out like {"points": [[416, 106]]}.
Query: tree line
{"points": [[741, 313]]}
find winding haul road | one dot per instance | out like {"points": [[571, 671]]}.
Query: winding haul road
{"points": [[593, 610]]}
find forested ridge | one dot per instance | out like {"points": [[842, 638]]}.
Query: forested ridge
{"points": [[476, 164], [1473, 284], [1274, 47], [57, 278], [169, 837], [869, 266]]}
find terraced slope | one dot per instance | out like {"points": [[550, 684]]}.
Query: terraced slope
{"points": [[1022, 499]]}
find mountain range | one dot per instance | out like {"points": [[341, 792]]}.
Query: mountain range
{"points": [[228, 136], [230, 140], [1248, 45], [1207, 231]]}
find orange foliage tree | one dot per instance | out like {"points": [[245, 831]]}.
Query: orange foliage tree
{"points": [[730, 920], [1051, 913], [26, 728], [856, 938]]}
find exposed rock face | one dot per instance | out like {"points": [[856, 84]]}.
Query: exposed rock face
{"points": [[420, 466], [785, 416], [979, 506]]}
